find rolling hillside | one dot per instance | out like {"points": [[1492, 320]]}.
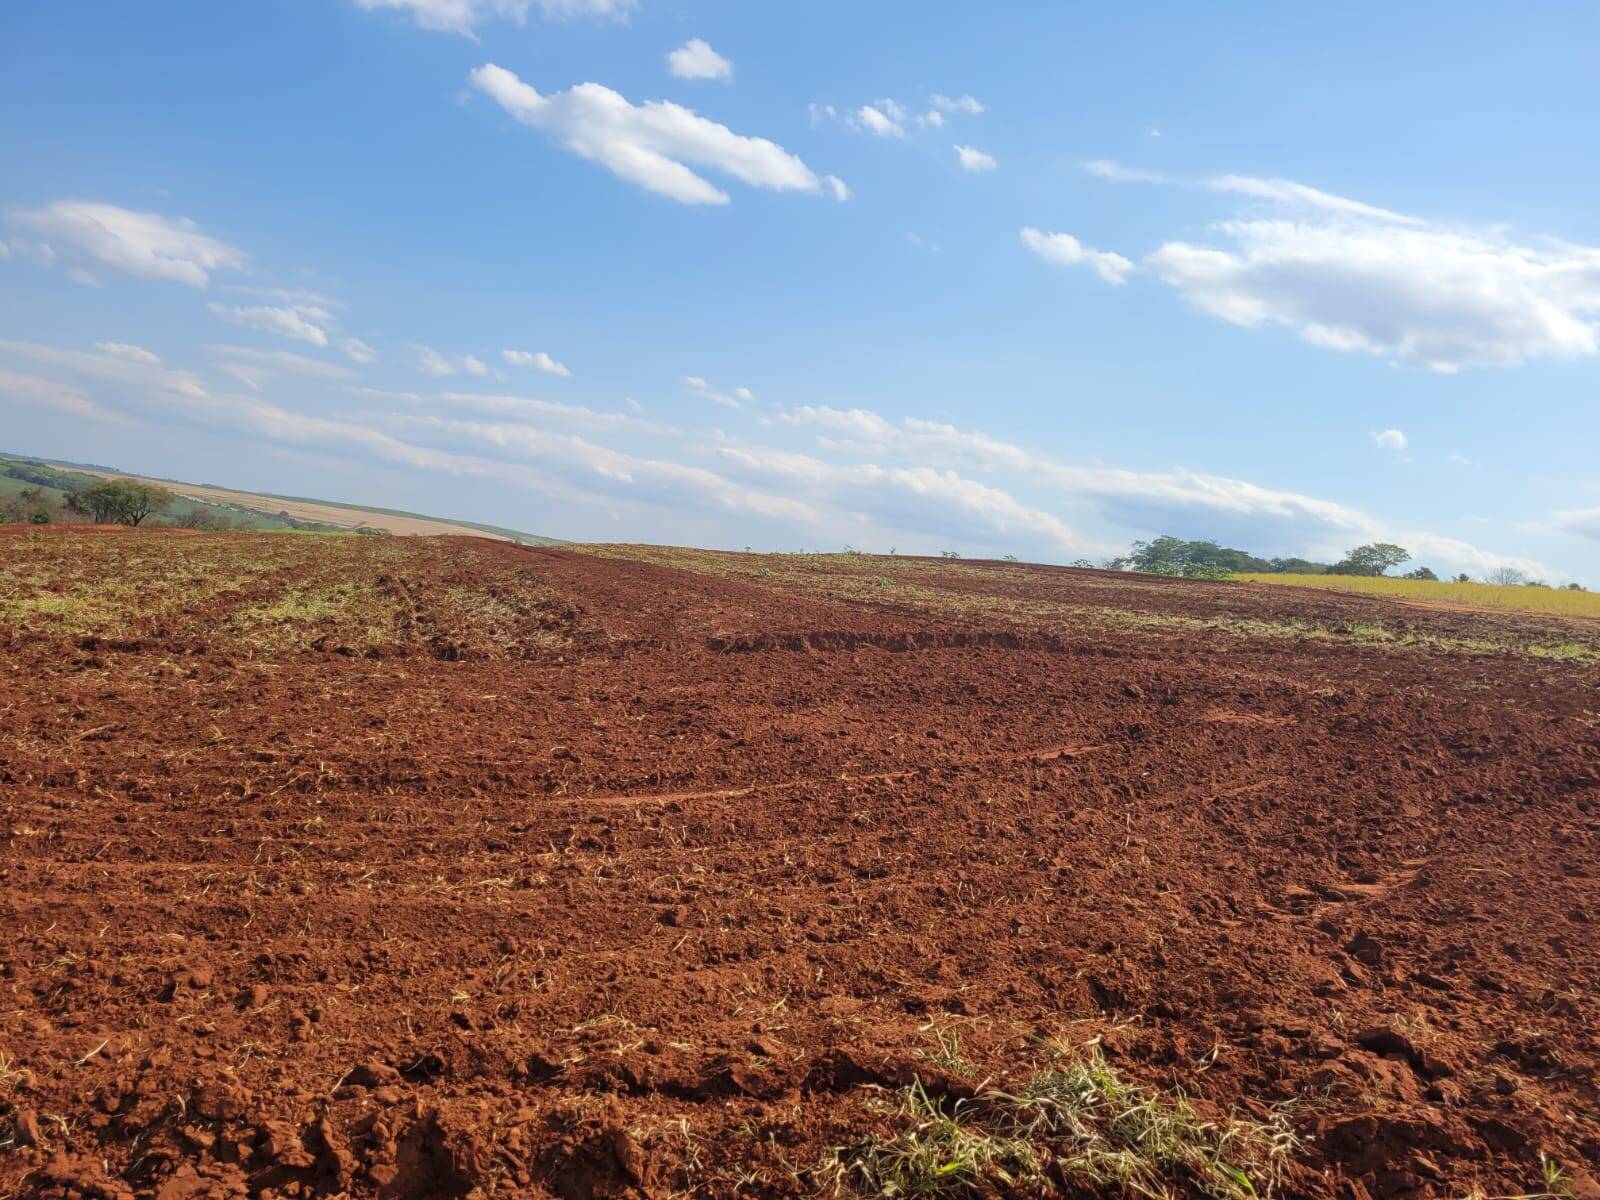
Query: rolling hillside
{"points": [[249, 510]]}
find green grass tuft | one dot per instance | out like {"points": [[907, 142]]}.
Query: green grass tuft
{"points": [[1076, 1121]]}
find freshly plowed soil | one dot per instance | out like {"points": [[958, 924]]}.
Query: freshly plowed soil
{"points": [[448, 868]]}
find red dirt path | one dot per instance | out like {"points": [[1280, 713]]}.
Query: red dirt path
{"points": [[658, 902]]}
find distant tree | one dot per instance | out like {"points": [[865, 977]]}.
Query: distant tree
{"points": [[1008, 558], [1163, 556], [1081, 562], [1297, 566], [99, 501], [948, 554], [1421, 573], [141, 500], [1463, 578], [123, 501], [1120, 563], [200, 518], [1574, 586], [1375, 558], [1168, 555], [30, 506], [1505, 577]]}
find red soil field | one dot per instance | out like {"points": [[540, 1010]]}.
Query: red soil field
{"points": [[447, 868]]}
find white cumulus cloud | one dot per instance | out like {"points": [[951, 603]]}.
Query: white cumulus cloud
{"points": [[652, 144], [1390, 439], [1352, 276], [1430, 297], [875, 120], [538, 360], [974, 160], [87, 238], [1065, 250], [695, 59]]}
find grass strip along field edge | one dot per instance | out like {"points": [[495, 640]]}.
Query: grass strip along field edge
{"points": [[1562, 602]]}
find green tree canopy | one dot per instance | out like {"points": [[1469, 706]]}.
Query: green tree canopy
{"points": [[1168, 555], [121, 501], [1372, 559]]}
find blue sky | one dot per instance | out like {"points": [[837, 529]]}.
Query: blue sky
{"points": [[1007, 278]]}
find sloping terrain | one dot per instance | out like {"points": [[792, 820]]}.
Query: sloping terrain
{"points": [[253, 510], [446, 867]]}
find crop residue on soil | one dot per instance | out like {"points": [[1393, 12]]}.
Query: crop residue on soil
{"points": [[445, 867]]}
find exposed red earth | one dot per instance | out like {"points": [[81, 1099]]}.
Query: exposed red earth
{"points": [[447, 868]]}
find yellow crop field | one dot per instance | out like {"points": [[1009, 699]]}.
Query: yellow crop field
{"points": [[1558, 601]]}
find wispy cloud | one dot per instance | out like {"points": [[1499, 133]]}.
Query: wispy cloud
{"points": [[1583, 522], [136, 354], [46, 393], [303, 323], [573, 416], [1177, 501], [654, 144], [1065, 250], [434, 363], [960, 104], [253, 367], [464, 16], [88, 239], [737, 398], [358, 351]]}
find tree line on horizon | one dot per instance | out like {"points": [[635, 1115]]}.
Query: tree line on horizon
{"points": [[1173, 556]]}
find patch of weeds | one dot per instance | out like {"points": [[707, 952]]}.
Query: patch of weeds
{"points": [[514, 621], [1557, 1184], [355, 613], [937, 1152], [1075, 1121], [1367, 631], [1571, 651], [947, 1054]]}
